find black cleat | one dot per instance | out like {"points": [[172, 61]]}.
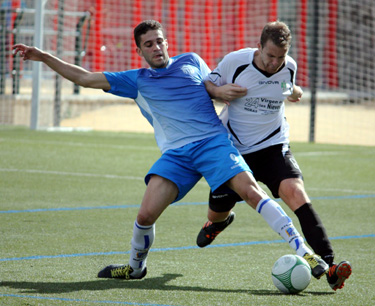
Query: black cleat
{"points": [[120, 271], [338, 274], [210, 230], [318, 266]]}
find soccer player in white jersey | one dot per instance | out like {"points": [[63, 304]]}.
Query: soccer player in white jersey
{"points": [[257, 81], [194, 143]]}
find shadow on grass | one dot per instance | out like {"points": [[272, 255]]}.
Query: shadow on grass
{"points": [[153, 283]]}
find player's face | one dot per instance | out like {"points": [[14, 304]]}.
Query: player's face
{"points": [[272, 57], [154, 49]]}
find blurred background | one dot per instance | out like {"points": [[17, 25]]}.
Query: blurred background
{"points": [[333, 44]]}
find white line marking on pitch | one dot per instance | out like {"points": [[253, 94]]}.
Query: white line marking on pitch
{"points": [[108, 176], [83, 144]]}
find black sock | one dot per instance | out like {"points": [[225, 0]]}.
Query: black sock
{"points": [[329, 259], [314, 232]]}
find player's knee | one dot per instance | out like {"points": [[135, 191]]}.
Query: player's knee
{"points": [[145, 219], [293, 194], [294, 189], [252, 195]]}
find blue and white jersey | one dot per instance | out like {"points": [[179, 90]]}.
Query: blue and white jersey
{"points": [[173, 100]]}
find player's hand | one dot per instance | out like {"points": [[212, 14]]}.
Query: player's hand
{"points": [[229, 92], [27, 52], [296, 95]]}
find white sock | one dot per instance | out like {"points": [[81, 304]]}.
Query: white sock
{"points": [[143, 237], [279, 221]]}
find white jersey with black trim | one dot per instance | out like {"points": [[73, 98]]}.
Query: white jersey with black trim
{"points": [[257, 120]]}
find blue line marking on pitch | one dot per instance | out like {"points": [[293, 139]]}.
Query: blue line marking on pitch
{"points": [[78, 300], [359, 196], [172, 249], [68, 208]]}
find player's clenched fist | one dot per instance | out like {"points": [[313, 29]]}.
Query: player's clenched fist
{"points": [[296, 95]]}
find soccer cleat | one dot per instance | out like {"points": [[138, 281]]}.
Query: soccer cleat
{"points": [[120, 271], [318, 266], [210, 230], [337, 274]]}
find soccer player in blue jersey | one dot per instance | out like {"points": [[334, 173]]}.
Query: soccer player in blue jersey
{"points": [[257, 81], [171, 95]]}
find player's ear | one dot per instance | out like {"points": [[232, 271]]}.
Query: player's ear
{"points": [[139, 51], [166, 43]]}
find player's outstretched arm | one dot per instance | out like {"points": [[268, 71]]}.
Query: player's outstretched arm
{"points": [[296, 95], [71, 72], [225, 93]]}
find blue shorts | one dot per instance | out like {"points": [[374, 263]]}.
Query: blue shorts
{"points": [[214, 158]]}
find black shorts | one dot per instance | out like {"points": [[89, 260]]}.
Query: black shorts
{"points": [[270, 166]]}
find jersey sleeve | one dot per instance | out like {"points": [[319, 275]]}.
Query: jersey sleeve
{"points": [[223, 73], [218, 75], [291, 65], [203, 68], [123, 83]]}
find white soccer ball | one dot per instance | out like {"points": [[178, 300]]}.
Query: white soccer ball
{"points": [[291, 274]]}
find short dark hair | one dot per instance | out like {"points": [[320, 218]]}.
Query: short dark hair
{"points": [[278, 32], [143, 28]]}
